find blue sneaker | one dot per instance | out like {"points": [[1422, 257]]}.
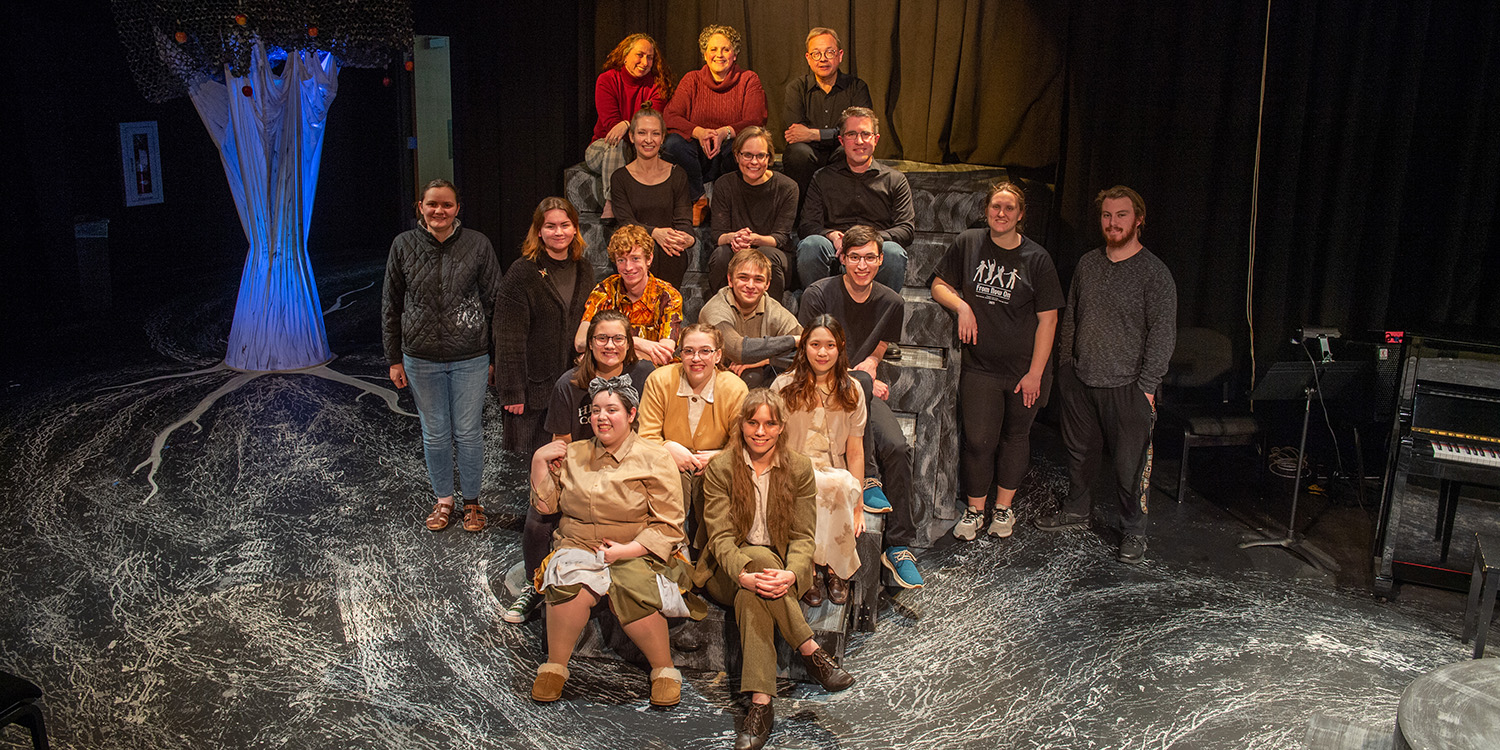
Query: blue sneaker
{"points": [[903, 565], [875, 500]]}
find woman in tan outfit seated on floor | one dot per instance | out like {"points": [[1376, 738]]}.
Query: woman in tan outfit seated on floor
{"points": [[618, 537], [759, 505]]}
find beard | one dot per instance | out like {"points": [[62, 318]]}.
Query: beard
{"points": [[1125, 239]]}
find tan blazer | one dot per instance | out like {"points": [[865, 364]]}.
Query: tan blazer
{"points": [[723, 549]]}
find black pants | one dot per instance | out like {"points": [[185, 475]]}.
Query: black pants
{"points": [[888, 458], [536, 539], [800, 160], [718, 269], [525, 433], [760, 377], [1119, 419], [996, 446]]}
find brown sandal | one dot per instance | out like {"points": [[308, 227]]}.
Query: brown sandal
{"points": [[474, 519], [437, 520]]}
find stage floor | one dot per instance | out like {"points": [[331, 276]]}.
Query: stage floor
{"points": [[280, 591]]}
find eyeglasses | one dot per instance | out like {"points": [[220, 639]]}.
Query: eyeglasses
{"points": [[861, 258], [859, 135], [603, 340], [823, 54], [753, 157], [703, 353]]}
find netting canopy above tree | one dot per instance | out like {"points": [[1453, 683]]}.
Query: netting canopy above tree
{"points": [[171, 43]]}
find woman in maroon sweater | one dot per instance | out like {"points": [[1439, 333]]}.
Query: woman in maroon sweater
{"points": [[710, 106], [635, 75]]}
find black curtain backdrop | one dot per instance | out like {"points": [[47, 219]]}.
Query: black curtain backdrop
{"points": [[1380, 158], [516, 117], [1382, 161], [930, 66], [1380, 169]]}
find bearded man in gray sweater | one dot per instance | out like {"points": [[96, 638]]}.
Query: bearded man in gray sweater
{"points": [[1114, 342]]}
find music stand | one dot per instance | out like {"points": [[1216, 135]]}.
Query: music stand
{"points": [[1288, 381]]}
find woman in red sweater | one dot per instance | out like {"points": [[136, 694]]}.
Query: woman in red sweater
{"points": [[711, 105], [634, 75]]}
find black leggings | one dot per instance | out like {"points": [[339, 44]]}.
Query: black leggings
{"points": [[996, 446], [536, 539]]}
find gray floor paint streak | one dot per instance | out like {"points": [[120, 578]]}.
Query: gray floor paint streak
{"points": [[280, 592]]}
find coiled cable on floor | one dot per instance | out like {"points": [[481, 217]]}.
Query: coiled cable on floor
{"points": [[1283, 462]]}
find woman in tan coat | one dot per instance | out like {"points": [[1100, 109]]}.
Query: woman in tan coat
{"points": [[759, 501]]}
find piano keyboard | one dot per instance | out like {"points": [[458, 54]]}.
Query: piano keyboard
{"points": [[1469, 454]]}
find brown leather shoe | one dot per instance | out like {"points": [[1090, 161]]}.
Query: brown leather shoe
{"points": [[474, 520], [550, 679], [666, 686], [438, 519], [838, 589], [757, 727], [813, 596], [831, 676]]}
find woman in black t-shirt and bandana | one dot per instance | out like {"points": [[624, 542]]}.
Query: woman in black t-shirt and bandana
{"points": [[1004, 289]]}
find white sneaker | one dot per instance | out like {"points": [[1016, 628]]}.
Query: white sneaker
{"points": [[1003, 522], [968, 526]]}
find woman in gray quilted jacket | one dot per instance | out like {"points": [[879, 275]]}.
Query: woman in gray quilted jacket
{"points": [[440, 283]]}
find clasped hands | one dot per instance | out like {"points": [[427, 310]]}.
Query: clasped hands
{"points": [[770, 583], [691, 462], [673, 241], [712, 141]]}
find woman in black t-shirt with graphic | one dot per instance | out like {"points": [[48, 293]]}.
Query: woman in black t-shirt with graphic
{"points": [[1004, 289]]}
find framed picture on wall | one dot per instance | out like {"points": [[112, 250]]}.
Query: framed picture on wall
{"points": [[140, 162]]}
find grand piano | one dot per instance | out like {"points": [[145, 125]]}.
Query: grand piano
{"points": [[1445, 438]]}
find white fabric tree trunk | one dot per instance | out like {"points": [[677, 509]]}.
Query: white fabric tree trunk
{"points": [[270, 143]]}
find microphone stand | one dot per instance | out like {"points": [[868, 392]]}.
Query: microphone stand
{"points": [[1292, 541]]}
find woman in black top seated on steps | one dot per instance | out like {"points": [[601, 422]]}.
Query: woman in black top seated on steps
{"points": [[652, 192], [753, 207]]}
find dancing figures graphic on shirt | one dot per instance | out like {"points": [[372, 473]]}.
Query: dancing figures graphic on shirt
{"points": [[993, 282]]}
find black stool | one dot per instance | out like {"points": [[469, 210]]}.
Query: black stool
{"points": [[18, 706], [1482, 587]]}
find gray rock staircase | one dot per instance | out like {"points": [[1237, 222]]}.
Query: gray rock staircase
{"points": [[924, 396]]}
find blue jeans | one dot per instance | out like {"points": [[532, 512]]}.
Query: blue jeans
{"points": [[815, 256], [450, 401]]}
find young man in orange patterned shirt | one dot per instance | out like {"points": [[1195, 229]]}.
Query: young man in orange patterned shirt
{"points": [[653, 306]]}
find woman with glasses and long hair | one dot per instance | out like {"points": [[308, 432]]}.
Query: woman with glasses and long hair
{"points": [[825, 420], [759, 505], [610, 357], [688, 407], [440, 283], [753, 207]]}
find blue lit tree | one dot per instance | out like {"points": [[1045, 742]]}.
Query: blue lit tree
{"points": [[262, 75]]}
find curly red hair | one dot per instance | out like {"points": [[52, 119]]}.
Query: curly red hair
{"points": [[616, 59]]}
